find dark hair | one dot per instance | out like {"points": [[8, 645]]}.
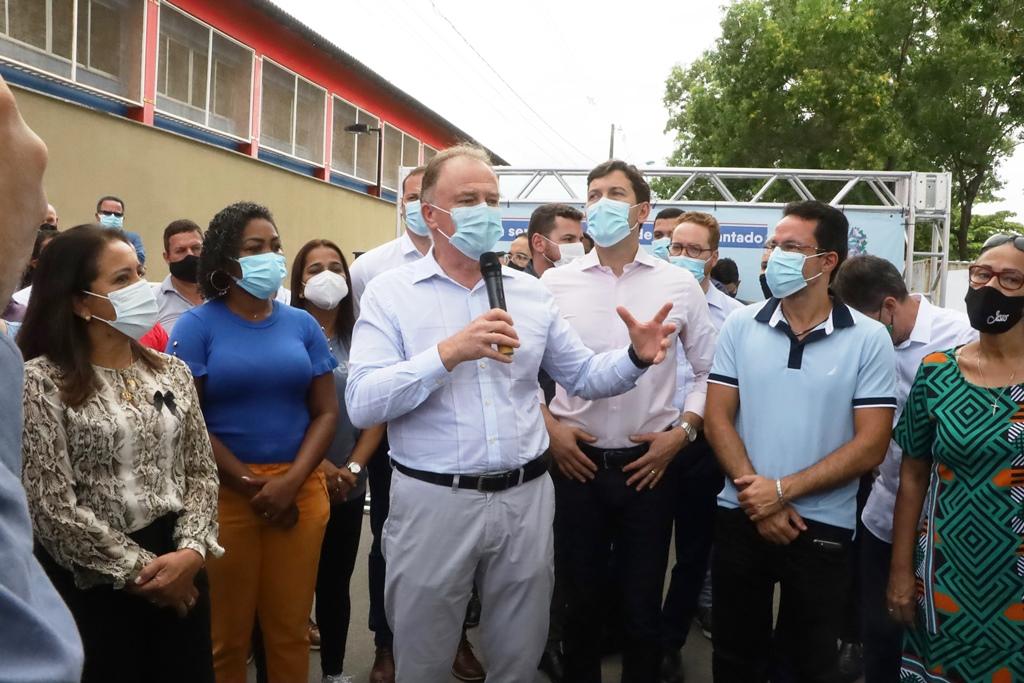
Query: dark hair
{"points": [[419, 170], [726, 272], [223, 241], [670, 212], [587, 238], [46, 232], [346, 313], [111, 198], [178, 227], [832, 231], [640, 187], [66, 269], [865, 281], [542, 220]]}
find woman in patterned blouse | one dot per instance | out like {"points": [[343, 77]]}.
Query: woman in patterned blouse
{"points": [[118, 468]]}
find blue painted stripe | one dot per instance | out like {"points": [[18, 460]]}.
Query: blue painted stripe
{"points": [[65, 91], [200, 134]]}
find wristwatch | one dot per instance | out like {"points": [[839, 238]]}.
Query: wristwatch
{"points": [[691, 431], [355, 468]]}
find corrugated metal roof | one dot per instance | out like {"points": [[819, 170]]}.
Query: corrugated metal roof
{"points": [[320, 42]]}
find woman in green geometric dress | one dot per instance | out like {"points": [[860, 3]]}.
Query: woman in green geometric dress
{"points": [[957, 573]]}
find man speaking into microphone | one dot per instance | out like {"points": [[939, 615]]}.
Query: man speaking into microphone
{"points": [[471, 497]]}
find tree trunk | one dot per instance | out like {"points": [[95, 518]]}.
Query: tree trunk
{"points": [[970, 193]]}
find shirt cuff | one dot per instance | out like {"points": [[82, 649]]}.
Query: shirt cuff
{"points": [[694, 403], [627, 369], [428, 367]]}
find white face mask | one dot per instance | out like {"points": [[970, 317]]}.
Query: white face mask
{"points": [[135, 309], [569, 252], [326, 290]]}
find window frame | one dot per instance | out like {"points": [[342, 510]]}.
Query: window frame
{"points": [[295, 113], [355, 151], [208, 113], [73, 62], [401, 151]]}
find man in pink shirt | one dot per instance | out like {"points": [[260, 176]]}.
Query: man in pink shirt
{"points": [[613, 454]]}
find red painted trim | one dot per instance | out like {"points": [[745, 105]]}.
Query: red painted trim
{"points": [[246, 24], [152, 40], [324, 172]]}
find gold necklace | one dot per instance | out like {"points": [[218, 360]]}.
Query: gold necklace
{"points": [[997, 393]]}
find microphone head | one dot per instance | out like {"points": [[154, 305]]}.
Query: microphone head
{"points": [[489, 262]]}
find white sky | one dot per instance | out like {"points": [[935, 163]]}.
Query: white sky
{"points": [[579, 67]]}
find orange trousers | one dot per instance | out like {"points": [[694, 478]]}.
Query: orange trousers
{"points": [[267, 571]]}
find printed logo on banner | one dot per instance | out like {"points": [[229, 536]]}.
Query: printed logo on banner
{"points": [[514, 227], [742, 236]]}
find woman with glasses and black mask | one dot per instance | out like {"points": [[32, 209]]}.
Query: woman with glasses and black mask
{"points": [[962, 435], [265, 381], [118, 468]]}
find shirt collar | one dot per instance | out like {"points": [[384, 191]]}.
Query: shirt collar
{"points": [[405, 242], [642, 257], [167, 286], [716, 297], [922, 332], [838, 318], [428, 267]]}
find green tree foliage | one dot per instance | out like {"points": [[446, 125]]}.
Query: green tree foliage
{"points": [[866, 84]]}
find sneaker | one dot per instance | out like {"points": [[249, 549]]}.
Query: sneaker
{"points": [[704, 621], [337, 678], [314, 636]]}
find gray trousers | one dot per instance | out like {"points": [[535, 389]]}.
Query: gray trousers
{"points": [[437, 542]]}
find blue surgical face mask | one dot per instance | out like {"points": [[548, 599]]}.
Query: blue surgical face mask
{"points": [[608, 222], [477, 228], [659, 248], [785, 272], [262, 274], [694, 265], [135, 309], [414, 219], [112, 221]]}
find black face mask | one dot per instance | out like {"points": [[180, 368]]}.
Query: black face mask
{"points": [[187, 269], [515, 267], [991, 311], [765, 289]]}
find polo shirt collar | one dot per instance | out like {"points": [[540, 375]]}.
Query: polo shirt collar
{"points": [[838, 318]]}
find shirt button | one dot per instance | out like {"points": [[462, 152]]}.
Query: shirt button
{"points": [[490, 440], [483, 364], [487, 402]]}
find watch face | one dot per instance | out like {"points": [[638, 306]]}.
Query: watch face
{"points": [[354, 468]]}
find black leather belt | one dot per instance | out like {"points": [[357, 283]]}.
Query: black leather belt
{"points": [[487, 483], [613, 458]]}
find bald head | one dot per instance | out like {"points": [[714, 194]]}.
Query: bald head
{"points": [[51, 217]]}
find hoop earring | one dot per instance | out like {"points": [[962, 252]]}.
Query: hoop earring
{"points": [[221, 291]]}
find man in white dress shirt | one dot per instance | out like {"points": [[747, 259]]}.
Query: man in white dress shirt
{"points": [[874, 287], [470, 495], [698, 478], [613, 453]]}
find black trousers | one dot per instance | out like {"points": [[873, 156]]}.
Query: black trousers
{"points": [[337, 561], [592, 518], [379, 470], [882, 637], [126, 638], [698, 480], [814, 581]]}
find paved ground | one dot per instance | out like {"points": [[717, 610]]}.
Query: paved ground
{"points": [[359, 658]]}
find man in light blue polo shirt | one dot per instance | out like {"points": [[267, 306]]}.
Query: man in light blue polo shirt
{"points": [[800, 407]]}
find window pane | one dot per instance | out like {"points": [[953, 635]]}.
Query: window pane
{"points": [[63, 23], [410, 151], [428, 153], [28, 22], [3, 16], [366, 149], [343, 145], [276, 112], [198, 98], [110, 40], [309, 123], [232, 87], [392, 156]]}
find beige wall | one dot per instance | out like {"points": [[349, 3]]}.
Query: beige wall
{"points": [[162, 176]]}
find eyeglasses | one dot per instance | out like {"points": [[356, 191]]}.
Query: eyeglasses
{"points": [[519, 258], [1002, 238], [1010, 280], [691, 250], [119, 214], [790, 246]]}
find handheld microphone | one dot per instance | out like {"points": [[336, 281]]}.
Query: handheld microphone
{"points": [[490, 268]]}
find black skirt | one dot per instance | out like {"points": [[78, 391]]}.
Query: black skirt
{"points": [[129, 640]]}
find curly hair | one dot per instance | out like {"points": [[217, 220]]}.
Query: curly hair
{"points": [[223, 242]]}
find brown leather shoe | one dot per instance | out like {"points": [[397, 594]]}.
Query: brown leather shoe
{"points": [[314, 635], [383, 670], [466, 666]]}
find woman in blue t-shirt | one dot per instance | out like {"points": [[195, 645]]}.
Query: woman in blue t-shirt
{"points": [[264, 375]]}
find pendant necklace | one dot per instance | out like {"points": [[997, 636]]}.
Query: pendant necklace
{"points": [[997, 393]]}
